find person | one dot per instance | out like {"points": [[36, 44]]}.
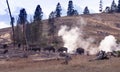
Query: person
{"points": [[67, 59]]}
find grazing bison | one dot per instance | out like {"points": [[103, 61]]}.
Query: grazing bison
{"points": [[35, 49], [5, 46], [80, 51], [49, 48], [62, 49], [5, 51]]}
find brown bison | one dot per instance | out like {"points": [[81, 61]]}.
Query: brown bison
{"points": [[62, 49], [49, 48], [80, 51], [35, 49]]}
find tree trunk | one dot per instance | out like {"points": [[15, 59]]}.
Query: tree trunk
{"points": [[25, 38]]}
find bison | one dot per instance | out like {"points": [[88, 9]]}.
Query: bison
{"points": [[35, 49], [5, 51], [80, 51], [5, 46], [62, 49], [49, 48]]}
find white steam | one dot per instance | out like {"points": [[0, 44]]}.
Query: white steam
{"points": [[73, 39], [108, 44], [70, 37]]}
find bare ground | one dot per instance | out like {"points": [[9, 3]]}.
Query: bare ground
{"points": [[77, 64]]}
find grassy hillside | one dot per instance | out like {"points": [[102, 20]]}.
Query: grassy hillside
{"points": [[95, 25]]}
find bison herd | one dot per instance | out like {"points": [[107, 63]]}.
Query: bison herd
{"points": [[60, 50], [36, 48]]}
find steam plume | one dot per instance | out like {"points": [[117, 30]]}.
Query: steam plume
{"points": [[73, 39], [70, 37], [108, 44]]}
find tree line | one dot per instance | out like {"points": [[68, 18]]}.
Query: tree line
{"points": [[32, 32], [114, 8]]}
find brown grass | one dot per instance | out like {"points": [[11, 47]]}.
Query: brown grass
{"points": [[77, 64], [103, 22]]}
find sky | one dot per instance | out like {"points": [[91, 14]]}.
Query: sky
{"points": [[47, 6]]}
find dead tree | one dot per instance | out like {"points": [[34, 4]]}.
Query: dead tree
{"points": [[12, 22]]}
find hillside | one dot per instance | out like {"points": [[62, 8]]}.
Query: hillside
{"points": [[96, 26]]}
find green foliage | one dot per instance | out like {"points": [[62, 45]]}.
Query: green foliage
{"points": [[76, 12], [71, 10], [113, 7], [107, 10], [38, 13], [52, 27], [35, 32], [118, 6], [18, 35], [86, 10], [22, 19], [58, 10], [101, 6]]}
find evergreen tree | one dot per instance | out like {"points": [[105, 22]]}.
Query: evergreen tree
{"points": [[86, 10], [58, 10], [51, 23], [37, 27], [70, 11], [107, 10], [28, 32], [118, 7], [18, 34], [23, 20], [76, 12], [35, 32], [113, 7], [52, 27], [38, 13], [101, 7]]}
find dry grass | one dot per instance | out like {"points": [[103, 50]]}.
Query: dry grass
{"points": [[77, 64], [105, 23]]}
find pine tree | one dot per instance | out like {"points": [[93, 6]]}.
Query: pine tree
{"points": [[35, 32], [70, 11], [52, 27], [38, 13], [118, 7], [23, 20], [113, 7], [51, 23], [86, 10], [107, 10], [58, 10], [18, 34], [101, 7], [76, 12]]}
